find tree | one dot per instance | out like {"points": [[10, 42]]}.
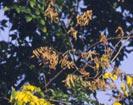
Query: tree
{"points": [[63, 51]]}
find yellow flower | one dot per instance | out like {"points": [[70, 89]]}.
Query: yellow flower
{"points": [[105, 61], [29, 87], [45, 29], [25, 96], [126, 93], [114, 77], [110, 75], [104, 58], [26, 99], [43, 102], [123, 87], [107, 75], [32, 103], [97, 65], [129, 81], [19, 95], [117, 103]]}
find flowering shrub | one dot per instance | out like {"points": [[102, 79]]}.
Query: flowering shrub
{"points": [[30, 95]]}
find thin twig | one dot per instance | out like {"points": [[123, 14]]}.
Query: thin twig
{"points": [[119, 50], [117, 53], [112, 38], [76, 69], [124, 37], [58, 101], [4, 98], [52, 79], [118, 43], [116, 47], [93, 45]]}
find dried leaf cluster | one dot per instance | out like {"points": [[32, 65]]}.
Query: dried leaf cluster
{"points": [[73, 33], [85, 18], [51, 13], [66, 63], [47, 56]]}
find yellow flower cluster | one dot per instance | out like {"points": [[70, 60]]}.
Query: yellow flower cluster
{"points": [[108, 75], [117, 103], [47, 55], [125, 86], [85, 18], [31, 88], [51, 13], [97, 63], [129, 80], [124, 89], [73, 33], [66, 63], [26, 96]]}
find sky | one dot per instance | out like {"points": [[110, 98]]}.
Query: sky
{"points": [[3, 34]]}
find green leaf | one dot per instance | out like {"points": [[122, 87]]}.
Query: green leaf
{"points": [[42, 22], [27, 11], [12, 94], [31, 66], [28, 18], [6, 8], [44, 30], [37, 12], [17, 8], [42, 94], [59, 2], [32, 3], [33, 16]]}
